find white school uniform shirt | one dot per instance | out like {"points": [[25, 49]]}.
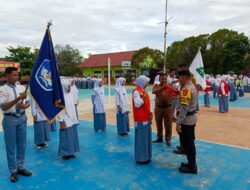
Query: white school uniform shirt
{"points": [[36, 112], [212, 80], [217, 81], [230, 80], [174, 85], [98, 98], [68, 115], [7, 94], [121, 98], [246, 81]]}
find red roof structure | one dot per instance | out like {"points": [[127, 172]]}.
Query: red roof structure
{"points": [[101, 60], [4, 64]]}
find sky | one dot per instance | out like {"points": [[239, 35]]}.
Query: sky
{"points": [[102, 26]]}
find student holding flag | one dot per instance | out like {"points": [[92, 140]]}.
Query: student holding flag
{"points": [[45, 84], [69, 142], [13, 103]]}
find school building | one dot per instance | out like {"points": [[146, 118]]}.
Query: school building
{"points": [[97, 65]]}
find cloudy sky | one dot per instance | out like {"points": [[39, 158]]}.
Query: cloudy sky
{"points": [[99, 26]]}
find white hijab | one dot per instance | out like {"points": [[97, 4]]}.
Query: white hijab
{"points": [[142, 81], [121, 94], [98, 97], [118, 85], [157, 80], [69, 102], [74, 91]]}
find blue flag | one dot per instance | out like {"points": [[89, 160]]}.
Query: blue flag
{"points": [[45, 84]]}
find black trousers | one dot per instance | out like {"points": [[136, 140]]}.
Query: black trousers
{"points": [[187, 137]]}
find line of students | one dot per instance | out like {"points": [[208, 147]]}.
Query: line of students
{"points": [[13, 101]]}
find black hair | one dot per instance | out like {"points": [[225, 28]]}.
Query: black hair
{"points": [[171, 70], [182, 65], [184, 73], [9, 70], [163, 74]]}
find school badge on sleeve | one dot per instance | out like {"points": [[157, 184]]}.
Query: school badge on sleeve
{"points": [[43, 76]]}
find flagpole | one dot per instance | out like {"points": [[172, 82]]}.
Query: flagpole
{"points": [[109, 78], [165, 38]]}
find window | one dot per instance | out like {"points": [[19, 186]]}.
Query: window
{"points": [[119, 73], [97, 72], [106, 74], [131, 72]]}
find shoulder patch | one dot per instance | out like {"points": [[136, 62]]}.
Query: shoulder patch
{"points": [[185, 96]]}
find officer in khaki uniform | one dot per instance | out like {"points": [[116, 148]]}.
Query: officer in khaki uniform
{"points": [[186, 121]]}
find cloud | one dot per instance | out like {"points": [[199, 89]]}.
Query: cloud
{"points": [[98, 26]]}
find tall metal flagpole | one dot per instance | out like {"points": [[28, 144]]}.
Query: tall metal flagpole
{"points": [[109, 78], [165, 38]]}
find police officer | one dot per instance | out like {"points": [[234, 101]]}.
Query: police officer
{"points": [[186, 121], [13, 104]]}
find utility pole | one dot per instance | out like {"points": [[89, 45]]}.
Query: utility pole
{"points": [[109, 78], [165, 37]]}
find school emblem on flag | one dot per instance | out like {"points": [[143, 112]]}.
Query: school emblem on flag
{"points": [[43, 76]]}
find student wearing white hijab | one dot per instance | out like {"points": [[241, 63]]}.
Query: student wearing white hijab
{"points": [[41, 126], [121, 101], [98, 106], [74, 92], [142, 119], [68, 142]]}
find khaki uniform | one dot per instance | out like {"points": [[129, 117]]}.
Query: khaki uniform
{"points": [[187, 119], [187, 105]]}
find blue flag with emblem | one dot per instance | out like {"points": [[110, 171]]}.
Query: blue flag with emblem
{"points": [[45, 84]]}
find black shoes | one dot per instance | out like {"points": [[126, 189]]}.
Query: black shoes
{"points": [[158, 141], [124, 134], [145, 162], [178, 151], [24, 172], [67, 157], [38, 146], [186, 168], [14, 177], [168, 143]]}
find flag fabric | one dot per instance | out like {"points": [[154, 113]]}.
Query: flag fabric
{"points": [[197, 69], [45, 84]]}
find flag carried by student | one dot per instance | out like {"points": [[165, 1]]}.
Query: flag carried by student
{"points": [[197, 69], [45, 84]]}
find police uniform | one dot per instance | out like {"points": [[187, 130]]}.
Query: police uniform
{"points": [[187, 120], [14, 126]]}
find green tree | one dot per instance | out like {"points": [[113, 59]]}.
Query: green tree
{"points": [[147, 58], [68, 60], [25, 56], [222, 51]]}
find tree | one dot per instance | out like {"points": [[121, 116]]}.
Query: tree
{"points": [[68, 59], [25, 56], [147, 58], [222, 51]]}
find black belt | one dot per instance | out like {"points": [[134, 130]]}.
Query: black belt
{"points": [[14, 114], [163, 106], [189, 113]]}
